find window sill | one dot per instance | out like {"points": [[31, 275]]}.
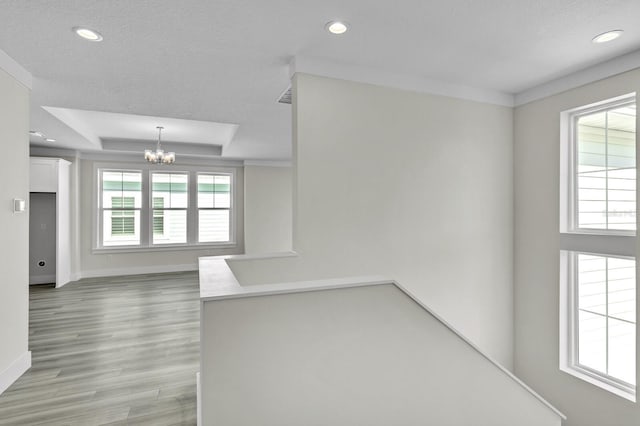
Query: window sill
{"points": [[600, 382], [596, 231], [135, 249]]}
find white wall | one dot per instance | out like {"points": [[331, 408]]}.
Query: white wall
{"points": [[267, 209], [413, 186], [536, 156], [105, 264], [352, 356], [14, 250]]}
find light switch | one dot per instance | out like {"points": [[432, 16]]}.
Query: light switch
{"points": [[18, 205]]}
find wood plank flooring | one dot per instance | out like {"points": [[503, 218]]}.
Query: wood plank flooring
{"points": [[110, 351]]}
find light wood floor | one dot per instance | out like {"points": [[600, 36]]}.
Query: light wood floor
{"points": [[117, 351]]}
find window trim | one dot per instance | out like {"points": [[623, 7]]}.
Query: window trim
{"points": [[568, 329], [197, 208], [568, 161], [574, 241], [146, 222], [187, 209]]}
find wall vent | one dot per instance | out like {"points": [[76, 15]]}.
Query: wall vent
{"points": [[285, 98]]}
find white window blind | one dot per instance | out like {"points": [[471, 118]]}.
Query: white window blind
{"points": [[214, 205], [606, 169]]}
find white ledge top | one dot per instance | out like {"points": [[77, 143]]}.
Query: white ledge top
{"points": [[217, 282]]}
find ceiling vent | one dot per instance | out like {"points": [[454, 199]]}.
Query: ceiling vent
{"points": [[285, 98]]}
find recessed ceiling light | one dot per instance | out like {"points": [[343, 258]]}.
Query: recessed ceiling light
{"points": [[337, 27], [608, 36], [35, 133], [49, 140], [87, 34]]}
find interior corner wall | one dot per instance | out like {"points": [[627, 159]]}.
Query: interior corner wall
{"points": [[124, 263], [413, 186], [537, 183], [267, 209], [14, 250]]}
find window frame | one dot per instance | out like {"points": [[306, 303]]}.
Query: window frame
{"points": [[146, 210], [164, 209], [100, 209], [197, 208], [590, 241], [569, 329], [569, 158]]}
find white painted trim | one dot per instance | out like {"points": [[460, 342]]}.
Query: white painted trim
{"points": [[145, 242], [198, 400], [489, 358], [15, 70], [130, 157], [308, 65], [600, 244], [14, 371], [568, 326], [275, 255], [210, 247], [618, 65], [40, 151], [597, 72], [268, 163], [592, 379], [42, 279], [221, 283], [184, 160], [137, 270]]}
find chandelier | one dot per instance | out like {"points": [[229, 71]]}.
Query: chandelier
{"points": [[159, 156]]}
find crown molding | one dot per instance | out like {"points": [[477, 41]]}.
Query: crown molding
{"points": [[267, 163], [15, 70], [617, 65], [308, 65], [600, 71]]}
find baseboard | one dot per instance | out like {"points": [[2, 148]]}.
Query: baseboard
{"points": [[42, 279], [198, 400], [97, 273], [14, 371]]}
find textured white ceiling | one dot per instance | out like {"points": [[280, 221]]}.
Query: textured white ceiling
{"points": [[226, 61]]}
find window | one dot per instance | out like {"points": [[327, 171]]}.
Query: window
{"points": [[170, 195], [214, 205], [121, 204], [597, 238], [148, 208], [606, 168]]}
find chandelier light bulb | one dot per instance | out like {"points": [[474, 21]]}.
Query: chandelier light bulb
{"points": [[159, 156]]}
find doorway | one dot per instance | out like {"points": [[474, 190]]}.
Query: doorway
{"points": [[42, 238]]}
